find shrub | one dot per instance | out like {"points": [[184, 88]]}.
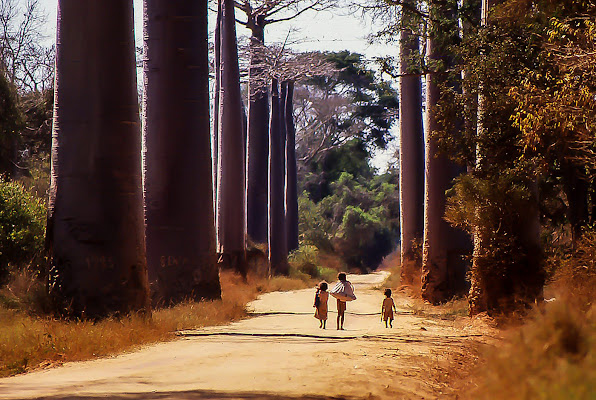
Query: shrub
{"points": [[307, 263], [22, 228]]}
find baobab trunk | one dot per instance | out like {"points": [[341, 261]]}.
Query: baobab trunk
{"points": [[411, 166], [443, 267], [180, 227], [258, 143], [278, 254], [524, 282], [291, 172], [282, 127], [231, 217], [95, 223], [216, 89]]}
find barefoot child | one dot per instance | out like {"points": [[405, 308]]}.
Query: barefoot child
{"points": [[343, 292], [387, 308], [321, 299]]}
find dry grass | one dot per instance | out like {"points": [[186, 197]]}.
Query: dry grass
{"points": [[28, 342], [553, 354], [551, 357]]}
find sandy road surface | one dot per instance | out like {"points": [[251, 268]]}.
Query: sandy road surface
{"points": [[279, 353]]}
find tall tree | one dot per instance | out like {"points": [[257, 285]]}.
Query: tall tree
{"points": [[95, 225], [259, 14], [411, 145], [231, 213], [180, 227], [278, 253], [443, 268], [216, 89], [291, 186]]}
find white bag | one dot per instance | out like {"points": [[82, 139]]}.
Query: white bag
{"points": [[343, 291]]}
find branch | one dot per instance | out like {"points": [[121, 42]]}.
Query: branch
{"points": [[298, 13], [407, 6]]}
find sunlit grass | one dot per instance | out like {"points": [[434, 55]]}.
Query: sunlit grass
{"points": [[551, 357], [28, 342]]}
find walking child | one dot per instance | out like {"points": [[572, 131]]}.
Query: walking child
{"points": [[343, 292], [321, 301], [387, 308]]}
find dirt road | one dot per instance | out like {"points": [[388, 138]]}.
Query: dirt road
{"points": [[279, 353]]}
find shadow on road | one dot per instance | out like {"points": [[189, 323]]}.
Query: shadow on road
{"points": [[195, 394]]}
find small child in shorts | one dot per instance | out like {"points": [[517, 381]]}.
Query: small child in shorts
{"points": [[387, 309]]}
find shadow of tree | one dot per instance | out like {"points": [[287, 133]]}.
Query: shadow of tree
{"points": [[195, 394]]}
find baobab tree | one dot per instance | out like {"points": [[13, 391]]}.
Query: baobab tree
{"points": [[278, 252], [231, 217], [259, 14], [443, 269], [95, 224], [291, 187], [495, 287], [216, 89], [180, 227], [411, 145]]}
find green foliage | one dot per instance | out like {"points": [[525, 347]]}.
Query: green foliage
{"points": [[372, 98], [352, 157], [22, 227], [359, 221], [10, 123]]}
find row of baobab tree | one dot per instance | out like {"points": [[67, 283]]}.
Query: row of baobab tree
{"points": [[109, 253], [131, 214], [433, 252]]}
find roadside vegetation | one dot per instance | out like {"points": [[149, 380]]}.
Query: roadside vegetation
{"points": [[30, 340]]}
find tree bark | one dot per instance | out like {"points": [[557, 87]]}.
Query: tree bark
{"points": [[258, 144], [216, 89], [443, 267], [95, 224], [278, 259], [411, 142], [180, 229], [291, 172], [576, 189], [231, 212]]}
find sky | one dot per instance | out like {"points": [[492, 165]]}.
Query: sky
{"points": [[324, 31]]}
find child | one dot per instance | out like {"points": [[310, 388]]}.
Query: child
{"points": [[343, 292], [387, 308], [321, 299]]}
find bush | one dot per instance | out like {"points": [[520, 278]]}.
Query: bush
{"points": [[306, 263], [22, 228]]}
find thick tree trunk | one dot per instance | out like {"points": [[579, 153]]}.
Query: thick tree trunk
{"points": [[95, 225], [524, 281], [282, 126], [411, 167], [443, 267], [291, 172], [278, 254], [216, 89], [180, 228], [231, 217], [258, 144]]}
